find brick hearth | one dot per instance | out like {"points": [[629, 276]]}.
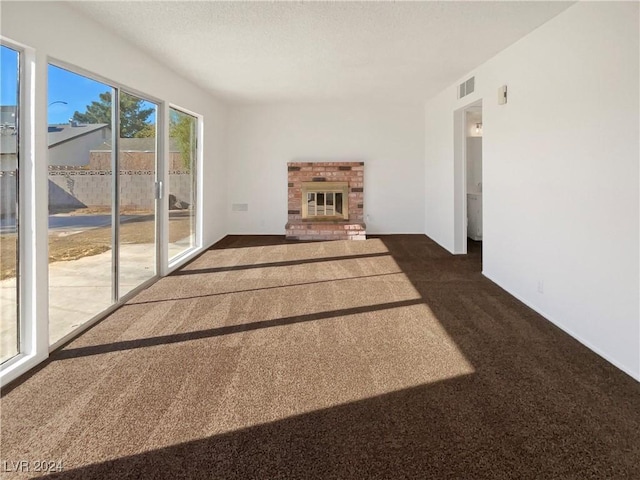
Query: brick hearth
{"points": [[352, 228]]}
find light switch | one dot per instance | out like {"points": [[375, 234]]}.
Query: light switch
{"points": [[502, 95]]}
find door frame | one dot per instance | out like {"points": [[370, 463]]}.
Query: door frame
{"points": [[460, 176]]}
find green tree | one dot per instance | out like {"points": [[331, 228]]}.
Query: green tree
{"points": [[149, 131], [133, 118], [183, 128]]}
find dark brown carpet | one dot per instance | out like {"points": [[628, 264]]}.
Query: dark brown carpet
{"points": [[387, 358]]}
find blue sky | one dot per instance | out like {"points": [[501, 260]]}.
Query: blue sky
{"points": [[9, 83], [76, 90], [64, 86]]}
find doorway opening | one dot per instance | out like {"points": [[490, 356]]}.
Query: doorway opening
{"points": [[468, 190]]}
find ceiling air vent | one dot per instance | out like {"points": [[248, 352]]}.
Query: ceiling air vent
{"points": [[467, 87]]}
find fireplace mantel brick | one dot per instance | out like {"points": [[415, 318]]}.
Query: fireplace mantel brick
{"points": [[351, 172]]}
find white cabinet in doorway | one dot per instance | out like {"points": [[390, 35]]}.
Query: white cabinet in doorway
{"points": [[474, 216]]}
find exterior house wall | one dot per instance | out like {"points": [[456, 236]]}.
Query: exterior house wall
{"points": [[76, 151]]}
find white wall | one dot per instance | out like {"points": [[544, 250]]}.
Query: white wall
{"points": [[388, 138], [439, 169], [57, 31], [560, 174]]}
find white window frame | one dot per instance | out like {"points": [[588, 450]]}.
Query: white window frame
{"points": [[178, 260], [31, 350]]}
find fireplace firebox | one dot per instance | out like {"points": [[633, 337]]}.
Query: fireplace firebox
{"points": [[325, 200]]}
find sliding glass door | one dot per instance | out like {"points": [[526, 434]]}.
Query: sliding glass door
{"points": [[9, 204], [137, 161], [102, 197], [110, 164], [183, 135], [81, 262]]}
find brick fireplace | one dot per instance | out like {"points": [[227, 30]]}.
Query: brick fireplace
{"points": [[326, 201]]}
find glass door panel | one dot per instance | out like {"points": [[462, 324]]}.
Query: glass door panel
{"points": [[80, 200], [183, 134], [137, 186], [9, 232]]}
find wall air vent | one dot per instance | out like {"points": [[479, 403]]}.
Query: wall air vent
{"points": [[467, 87]]}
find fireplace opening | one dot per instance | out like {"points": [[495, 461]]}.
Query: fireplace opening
{"points": [[325, 200]]}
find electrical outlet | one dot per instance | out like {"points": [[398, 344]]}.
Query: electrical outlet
{"points": [[540, 286], [239, 207]]}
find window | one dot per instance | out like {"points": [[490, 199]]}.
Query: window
{"points": [[9, 203], [182, 191], [103, 194]]}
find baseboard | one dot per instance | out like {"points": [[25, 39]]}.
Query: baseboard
{"points": [[368, 233], [191, 256], [568, 331]]}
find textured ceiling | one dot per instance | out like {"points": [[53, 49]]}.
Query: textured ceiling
{"points": [[288, 51]]}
